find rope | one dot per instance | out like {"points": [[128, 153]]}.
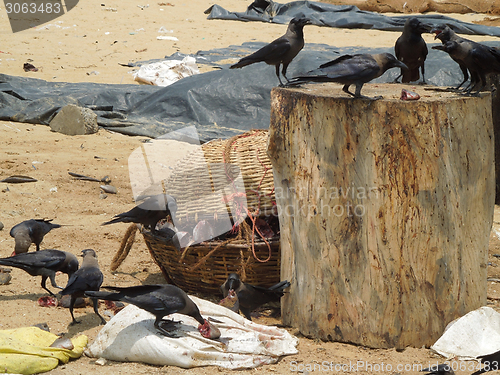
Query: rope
{"points": [[253, 219], [125, 246]]}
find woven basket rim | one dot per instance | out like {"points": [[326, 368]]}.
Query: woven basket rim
{"points": [[236, 242]]}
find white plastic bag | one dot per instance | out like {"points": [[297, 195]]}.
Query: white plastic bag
{"points": [[166, 72], [131, 336], [474, 334]]}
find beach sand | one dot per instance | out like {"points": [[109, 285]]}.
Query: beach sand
{"points": [[87, 45]]}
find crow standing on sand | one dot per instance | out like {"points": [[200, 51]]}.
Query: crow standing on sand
{"points": [[475, 57], [44, 263], [30, 231], [88, 277], [351, 70], [411, 49], [250, 297], [160, 300], [148, 212], [280, 51]]}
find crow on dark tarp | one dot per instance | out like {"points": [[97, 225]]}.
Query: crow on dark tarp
{"points": [[442, 369], [280, 51], [491, 362]]}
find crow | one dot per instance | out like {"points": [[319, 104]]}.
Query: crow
{"points": [[411, 49], [351, 70], [148, 212], [451, 47], [477, 58], [280, 51], [160, 300], [44, 263], [231, 301], [450, 44], [30, 231], [250, 297], [88, 278]]}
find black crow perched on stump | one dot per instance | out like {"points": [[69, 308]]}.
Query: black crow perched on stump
{"points": [[411, 49], [477, 58], [446, 35], [351, 70]]}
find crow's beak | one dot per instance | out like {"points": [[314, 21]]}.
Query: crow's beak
{"points": [[402, 65]]}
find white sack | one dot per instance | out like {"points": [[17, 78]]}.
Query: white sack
{"points": [[166, 72], [474, 334], [131, 336]]}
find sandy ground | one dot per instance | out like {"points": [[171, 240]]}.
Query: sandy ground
{"points": [[86, 45]]}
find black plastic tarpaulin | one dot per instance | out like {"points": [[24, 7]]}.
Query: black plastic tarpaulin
{"points": [[220, 103], [340, 16]]}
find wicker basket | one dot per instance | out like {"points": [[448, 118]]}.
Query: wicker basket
{"points": [[199, 271], [197, 178]]}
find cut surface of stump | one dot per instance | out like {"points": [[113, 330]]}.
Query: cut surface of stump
{"points": [[385, 210]]}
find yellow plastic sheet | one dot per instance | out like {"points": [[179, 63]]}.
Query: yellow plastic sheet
{"points": [[27, 350]]}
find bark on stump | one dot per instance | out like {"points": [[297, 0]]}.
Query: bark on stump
{"points": [[385, 211]]}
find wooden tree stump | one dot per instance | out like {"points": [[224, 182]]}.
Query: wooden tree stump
{"points": [[385, 211]]}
